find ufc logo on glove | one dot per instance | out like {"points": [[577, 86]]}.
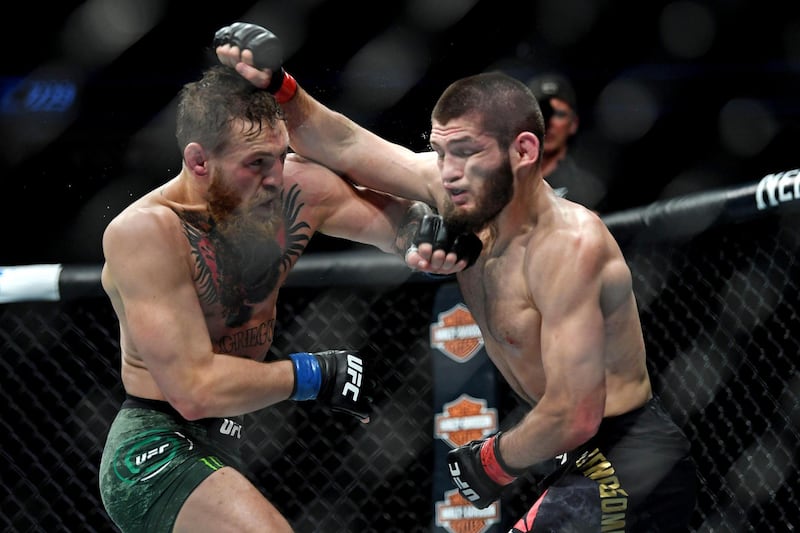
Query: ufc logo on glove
{"points": [[355, 371]]}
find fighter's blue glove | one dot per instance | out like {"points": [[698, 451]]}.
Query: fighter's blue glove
{"points": [[479, 472], [335, 377], [267, 53]]}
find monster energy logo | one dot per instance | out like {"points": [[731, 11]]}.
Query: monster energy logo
{"points": [[212, 462]]}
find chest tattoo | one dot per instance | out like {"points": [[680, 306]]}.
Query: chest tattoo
{"points": [[238, 265]]}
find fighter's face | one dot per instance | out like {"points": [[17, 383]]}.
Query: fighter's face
{"points": [[247, 179], [476, 173]]}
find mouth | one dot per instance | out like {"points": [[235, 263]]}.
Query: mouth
{"points": [[458, 196], [265, 206]]}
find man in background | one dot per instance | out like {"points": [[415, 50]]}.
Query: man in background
{"points": [[559, 105]]}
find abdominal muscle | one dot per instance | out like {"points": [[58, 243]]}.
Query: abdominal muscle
{"points": [[627, 381]]}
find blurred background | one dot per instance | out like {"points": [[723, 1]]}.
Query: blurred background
{"points": [[674, 97]]}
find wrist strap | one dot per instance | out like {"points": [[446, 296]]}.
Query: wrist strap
{"points": [[307, 376], [494, 466], [283, 86]]}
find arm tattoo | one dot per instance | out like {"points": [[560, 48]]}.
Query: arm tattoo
{"points": [[407, 230]]}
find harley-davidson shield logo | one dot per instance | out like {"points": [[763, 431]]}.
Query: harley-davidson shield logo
{"points": [[456, 334], [456, 515], [463, 420]]}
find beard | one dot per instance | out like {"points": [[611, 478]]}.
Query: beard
{"points": [[497, 192], [249, 253]]}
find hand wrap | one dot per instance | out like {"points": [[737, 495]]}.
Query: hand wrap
{"points": [[267, 53], [335, 377], [478, 471], [433, 229]]}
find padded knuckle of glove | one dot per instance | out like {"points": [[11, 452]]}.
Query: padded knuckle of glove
{"points": [[343, 385], [479, 472], [266, 47], [468, 246], [432, 229], [469, 477]]}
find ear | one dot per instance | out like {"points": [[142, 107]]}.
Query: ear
{"points": [[526, 148], [196, 160]]}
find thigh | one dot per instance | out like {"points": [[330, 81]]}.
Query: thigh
{"points": [[227, 501]]}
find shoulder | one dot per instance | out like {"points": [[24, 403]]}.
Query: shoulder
{"points": [[572, 237], [143, 223], [316, 184]]}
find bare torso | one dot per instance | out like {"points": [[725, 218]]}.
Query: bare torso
{"points": [[251, 338], [501, 298], [239, 320]]}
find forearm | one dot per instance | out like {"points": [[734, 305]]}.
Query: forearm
{"points": [[539, 437], [227, 385], [322, 134], [340, 144]]}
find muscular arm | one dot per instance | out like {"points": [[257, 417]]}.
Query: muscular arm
{"points": [[150, 283], [356, 213], [566, 287], [342, 145]]}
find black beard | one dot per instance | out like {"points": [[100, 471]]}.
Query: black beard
{"points": [[498, 192]]}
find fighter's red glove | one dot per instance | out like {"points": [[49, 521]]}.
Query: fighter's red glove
{"points": [[479, 472], [267, 53]]}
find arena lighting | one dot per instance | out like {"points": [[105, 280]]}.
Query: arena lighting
{"points": [[44, 95]]}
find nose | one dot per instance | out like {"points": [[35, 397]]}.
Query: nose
{"points": [[451, 169], [273, 177]]}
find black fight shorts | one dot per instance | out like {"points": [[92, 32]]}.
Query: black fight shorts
{"points": [[635, 476]]}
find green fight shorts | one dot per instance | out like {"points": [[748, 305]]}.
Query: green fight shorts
{"points": [[153, 459]]}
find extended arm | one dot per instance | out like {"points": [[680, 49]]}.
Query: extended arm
{"points": [[327, 136], [392, 224]]}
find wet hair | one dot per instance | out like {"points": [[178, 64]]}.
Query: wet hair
{"points": [[208, 107], [505, 106]]}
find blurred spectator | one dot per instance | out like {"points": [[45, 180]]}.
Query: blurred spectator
{"points": [[560, 109]]}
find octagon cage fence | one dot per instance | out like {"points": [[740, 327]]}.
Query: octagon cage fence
{"points": [[716, 278]]}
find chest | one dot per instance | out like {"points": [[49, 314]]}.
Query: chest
{"points": [[237, 288], [496, 292]]}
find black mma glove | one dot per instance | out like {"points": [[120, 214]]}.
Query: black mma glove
{"points": [[479, 472], [334, 377], [432, 229], [267, 53]]}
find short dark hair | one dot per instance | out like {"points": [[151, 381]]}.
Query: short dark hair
{"points": [[207, 108], [505, 105]]}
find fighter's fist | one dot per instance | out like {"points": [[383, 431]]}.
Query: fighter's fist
{"points": [[478, 472], [267, 52], [433, 230], [335, 377], [266, 47]]}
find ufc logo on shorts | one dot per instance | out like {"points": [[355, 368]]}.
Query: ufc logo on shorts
{"points": [[463, 486], [355, 371], [231, 428]]}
